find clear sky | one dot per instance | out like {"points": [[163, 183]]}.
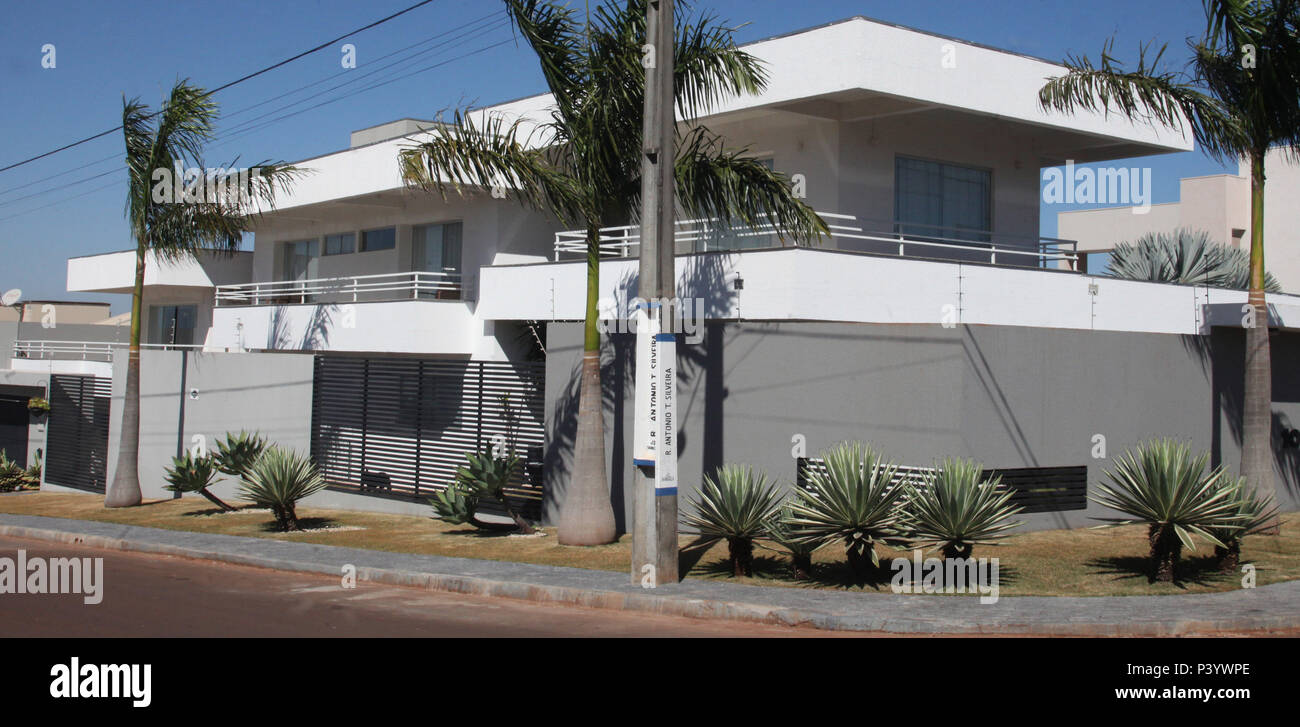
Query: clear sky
{"points": [[461, 52]]}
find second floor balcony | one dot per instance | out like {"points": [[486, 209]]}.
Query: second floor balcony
{"points": [[848, 233]]}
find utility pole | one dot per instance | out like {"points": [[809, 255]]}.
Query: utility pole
{"points": [[654, 509]]}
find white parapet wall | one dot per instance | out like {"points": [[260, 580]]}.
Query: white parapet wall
{"points": [[823, 285]]}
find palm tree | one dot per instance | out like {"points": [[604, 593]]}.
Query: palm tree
{"points": [[1185, 256], [1240, 96], [584, 163], [158, 143]]}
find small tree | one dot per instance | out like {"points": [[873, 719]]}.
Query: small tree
{"points": [[1164, 486], [486, 476], [737, 505], [278, 480]]}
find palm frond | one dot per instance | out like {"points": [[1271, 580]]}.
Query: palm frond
{"points": [[715, 181], [494, 152], [1146, 94]]}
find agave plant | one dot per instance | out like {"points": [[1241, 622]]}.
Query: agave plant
{"points": [[237, 452], [194, 474], [1165, 486], [485, 476], [1254, 514], [1186, 256], [278, 479], [781, 533], [736, 504], [853, 502], [12, 475], [955, 507]]}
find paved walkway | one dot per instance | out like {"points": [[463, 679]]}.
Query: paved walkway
{"points": [[1267, 607]]}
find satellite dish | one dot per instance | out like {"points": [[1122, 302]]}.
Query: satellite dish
{"points": [[11, 296]]}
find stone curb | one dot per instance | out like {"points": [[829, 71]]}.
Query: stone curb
{"points": [[670, 605]]}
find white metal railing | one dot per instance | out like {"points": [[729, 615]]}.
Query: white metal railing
{"points": [[847, 233], [356, 288], [85, 350]]}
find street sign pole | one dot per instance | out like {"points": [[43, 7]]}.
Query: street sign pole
{"points": [[654, 530]]}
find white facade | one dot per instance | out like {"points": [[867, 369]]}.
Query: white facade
{"points": [[845, 103]]}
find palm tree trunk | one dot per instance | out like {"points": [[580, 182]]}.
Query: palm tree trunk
{"points": [[1165, 551], [1257, 404], [586, 515], [124, 490], [215, 500]]}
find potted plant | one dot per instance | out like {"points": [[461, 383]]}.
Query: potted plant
{"points": [[38, 405]]}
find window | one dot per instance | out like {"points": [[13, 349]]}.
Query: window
{"points": [[340, 244], [436, 248], [300, 260], [942, 200], [172, 324], [384, 238]]}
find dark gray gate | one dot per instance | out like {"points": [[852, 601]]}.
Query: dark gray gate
{"points": [[14, 420], [77, 432], [401, 427]]}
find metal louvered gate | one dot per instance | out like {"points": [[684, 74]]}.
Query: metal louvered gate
{"points": [[401, 427], [76, 450]]}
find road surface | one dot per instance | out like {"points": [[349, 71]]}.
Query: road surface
{"points": [[155, 595]]}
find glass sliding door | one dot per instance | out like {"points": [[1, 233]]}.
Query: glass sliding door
{"points": [[938, 200], [437, 249], [172, 324], [299, 264]]}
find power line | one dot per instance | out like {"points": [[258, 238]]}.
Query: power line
{"points": [[223, 87], [117, 155], [245, 132]]}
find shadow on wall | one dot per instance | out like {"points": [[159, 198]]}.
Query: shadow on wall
{"points": [[1222, 356], [704, 283], [315, 336]]}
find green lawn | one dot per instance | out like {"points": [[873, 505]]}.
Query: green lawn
{"points": [[1051, 563]]}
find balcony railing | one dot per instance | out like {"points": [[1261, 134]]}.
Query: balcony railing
{"points": [[415, 285], [84, 350], [848, 233]]}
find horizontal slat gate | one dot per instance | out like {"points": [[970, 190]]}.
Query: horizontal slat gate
{"points": [[1034, 489], [401, 427], [77, 432]]}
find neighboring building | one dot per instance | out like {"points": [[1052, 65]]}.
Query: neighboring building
{"points": [[1218, 204], [36, 311], [389, 331]]}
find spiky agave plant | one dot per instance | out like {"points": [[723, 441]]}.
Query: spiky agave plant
{"points": [[854, 502], [1165, 486], [955, 507], [1253, 512], [12, 475], [737, 504], [1185, 256], [278, 479], [194, 474], [237, 452], [781, 533]]}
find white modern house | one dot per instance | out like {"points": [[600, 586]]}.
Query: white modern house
{"points": [[1218, 204], [935, 320]]}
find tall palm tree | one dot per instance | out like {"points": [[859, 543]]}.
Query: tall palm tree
{"points": [[584, 164], [1240, 96], [172, 228]]}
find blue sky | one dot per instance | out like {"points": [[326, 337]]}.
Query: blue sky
{"points": [[105, 50]]}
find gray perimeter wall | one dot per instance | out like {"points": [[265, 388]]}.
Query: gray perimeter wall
{"points": [[266, 392], [1007, 396]]}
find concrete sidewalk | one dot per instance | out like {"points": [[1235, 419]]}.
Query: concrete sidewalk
{"points": [[1267, 607]]}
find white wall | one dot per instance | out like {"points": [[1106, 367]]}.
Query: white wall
{"points": [[822, 285]]}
